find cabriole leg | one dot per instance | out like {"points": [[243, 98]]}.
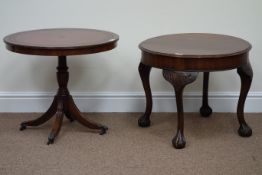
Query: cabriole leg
{"points": [[205, 109], [179, 80], [144, 71], [246, 74]]}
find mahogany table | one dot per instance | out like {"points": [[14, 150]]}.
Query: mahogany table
{"points": [[182, 56], [62, 42]]}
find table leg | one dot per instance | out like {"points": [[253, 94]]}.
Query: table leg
{"points": [[57, 123], [44, 118], [63, 104], [205, 109], [179, 80], [76, 114], [68, 116], [246, 74], [144, 71]]}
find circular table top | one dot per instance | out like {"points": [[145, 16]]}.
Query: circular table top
{"points": [[61, 41], [195, 45], [195, 52]]}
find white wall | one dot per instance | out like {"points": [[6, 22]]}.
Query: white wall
{"points": [[115, 71]]}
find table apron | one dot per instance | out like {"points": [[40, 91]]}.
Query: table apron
{"points": [[194, 64]]}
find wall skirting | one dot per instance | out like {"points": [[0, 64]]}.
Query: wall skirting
{"points": [[128, 102]]}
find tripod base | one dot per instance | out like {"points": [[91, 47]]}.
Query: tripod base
{"points": [[63, 105]]}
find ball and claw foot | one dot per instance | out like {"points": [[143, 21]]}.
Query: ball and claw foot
{"points": [[244, 130], [205, 111], [22, 127], [144, 121], [179, 141], [103, 130]]}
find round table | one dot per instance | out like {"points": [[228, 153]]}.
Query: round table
{"points": [[182, 56], [62, 42]]}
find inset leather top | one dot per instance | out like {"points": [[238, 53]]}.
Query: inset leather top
{"points": [[61, 41]]}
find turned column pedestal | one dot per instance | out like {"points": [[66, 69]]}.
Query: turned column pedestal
{"points": [[61, 43]]}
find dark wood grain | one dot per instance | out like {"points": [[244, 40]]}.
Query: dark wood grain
{"points": [[205, 109], [61, 43], [195, 51], [195, 45], [181, 54], [63, 104], [246, 75], [144, 72], [179, 80], [64, 41]]}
